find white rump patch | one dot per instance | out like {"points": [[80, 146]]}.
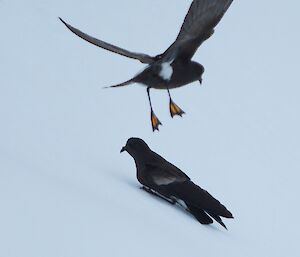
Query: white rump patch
{"points": [[166, 70]]}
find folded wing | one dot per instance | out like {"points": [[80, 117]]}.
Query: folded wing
{"points": [[163, 174], [195, 196]]}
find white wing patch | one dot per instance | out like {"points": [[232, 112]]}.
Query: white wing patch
{"points": [[166, 70], [160, 181]]}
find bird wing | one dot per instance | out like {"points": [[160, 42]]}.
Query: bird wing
{"points": [[161, 172], [166, 179], [202, 17], [144, 58], [194, 195], [198, 26]]}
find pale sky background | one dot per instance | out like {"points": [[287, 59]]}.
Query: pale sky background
{"points": [[64, 188]]}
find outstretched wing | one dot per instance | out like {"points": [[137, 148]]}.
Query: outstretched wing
{"points": [[198, 26], [202, 17], [144, 58]]}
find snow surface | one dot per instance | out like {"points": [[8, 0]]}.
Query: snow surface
{"points": [[65, 190]]}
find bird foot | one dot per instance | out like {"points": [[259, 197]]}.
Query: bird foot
{"points": [[175, 109], [155, 122]]}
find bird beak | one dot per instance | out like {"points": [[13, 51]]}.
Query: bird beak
{"points": [[123, 149], [200, 81]]}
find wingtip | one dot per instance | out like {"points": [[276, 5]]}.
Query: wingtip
{"points": [[222, 224], [230, 216], [63, 21]]}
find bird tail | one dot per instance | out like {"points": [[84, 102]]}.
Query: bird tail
{"points": [[203, 217], [217, 219], [126, 83], [201, 204], [196, 196], [199, 214]]}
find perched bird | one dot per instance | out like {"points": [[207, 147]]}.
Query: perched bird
{"points": [[173, 68], [163, 179]]}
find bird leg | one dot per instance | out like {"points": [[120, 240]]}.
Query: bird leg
{"points": [[174, 108], [155, 122], [148, 190]]}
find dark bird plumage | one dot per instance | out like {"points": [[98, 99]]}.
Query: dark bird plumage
{"points": [[160, 177], [173, 68]]}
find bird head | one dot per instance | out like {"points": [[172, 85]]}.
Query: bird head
{"points": [[200, 80], [135, 147], [198, 71]]}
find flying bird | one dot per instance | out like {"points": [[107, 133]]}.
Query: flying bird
{"points": [[163, 179], [174, 67]]}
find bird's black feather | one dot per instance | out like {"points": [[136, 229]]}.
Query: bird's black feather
{"points": [[165, 179]]}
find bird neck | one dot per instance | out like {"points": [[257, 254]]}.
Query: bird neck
{"points": [[141, 160]]}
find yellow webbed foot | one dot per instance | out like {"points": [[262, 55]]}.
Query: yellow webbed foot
{"points": [[175, 109], [155, 122]]}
